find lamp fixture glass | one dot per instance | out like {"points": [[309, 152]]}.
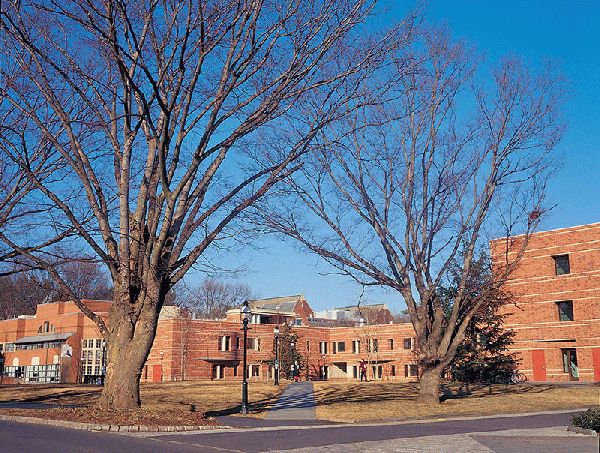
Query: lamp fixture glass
{"points": [[246, 311]]}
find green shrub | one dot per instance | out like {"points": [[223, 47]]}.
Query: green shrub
{"points": [[590, 419]]}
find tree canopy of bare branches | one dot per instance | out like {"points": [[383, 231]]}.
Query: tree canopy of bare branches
{"points": [[149, 115], [212, 298], [23, 291], [412, 188]]}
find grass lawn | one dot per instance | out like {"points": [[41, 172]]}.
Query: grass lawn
{"points": [[167, 403], [385, 400]]}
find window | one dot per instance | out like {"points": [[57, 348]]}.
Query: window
{"points": [[355, 346], [254, 344], [561, 264], [218, 372], [372, 345], [307, 346], [339, 346], [411, 371], [323, 347], [565, 310], [225, 343], [254, 370], [408, 343], [391, 344], [10, 347], [393, 370], [377, 371]]}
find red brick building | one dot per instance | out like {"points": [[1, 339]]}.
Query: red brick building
{"points": [[556, 316], [57, 344], [187, 348]]}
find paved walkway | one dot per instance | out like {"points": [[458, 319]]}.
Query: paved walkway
{"points": [[297, 402]]}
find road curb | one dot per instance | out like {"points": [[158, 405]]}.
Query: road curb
{"points": [[105, 427], [577, 429]]}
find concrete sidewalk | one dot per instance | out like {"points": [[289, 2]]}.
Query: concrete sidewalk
{"points": [[297, 402]]}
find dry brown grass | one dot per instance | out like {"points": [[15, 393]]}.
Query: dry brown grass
{"points": [[165, 403], [377, 400]]}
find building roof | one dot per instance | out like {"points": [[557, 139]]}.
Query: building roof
{"points": [[327, 322], [285, 304], [363, 307], [42, 338]]}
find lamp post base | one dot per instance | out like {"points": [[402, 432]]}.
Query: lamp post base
{"points": [[244, 410]]}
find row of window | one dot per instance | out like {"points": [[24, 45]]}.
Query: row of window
{"points": [[12, 347], [92, 356], [218, 371], [34, 373], [92, 343], [225, 343], [372, 345]]}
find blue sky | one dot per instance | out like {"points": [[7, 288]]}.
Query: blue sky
{"points": [[566, 32]]}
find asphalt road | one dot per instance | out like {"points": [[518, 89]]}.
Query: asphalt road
{"points": [[16, 437]]}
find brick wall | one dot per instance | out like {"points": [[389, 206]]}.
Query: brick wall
{"points": [[541, 337]]}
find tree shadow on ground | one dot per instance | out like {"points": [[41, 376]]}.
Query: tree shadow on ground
{"points": [[377, 392], [254, 407], [55, 396]]}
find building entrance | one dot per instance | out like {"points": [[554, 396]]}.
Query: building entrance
{"points": [[570, 364]]}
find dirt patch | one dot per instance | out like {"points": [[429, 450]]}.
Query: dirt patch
{"points": [[131, 417]]}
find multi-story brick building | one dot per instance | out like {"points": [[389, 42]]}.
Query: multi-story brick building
{"points": [[57, 344], [556, 315]]}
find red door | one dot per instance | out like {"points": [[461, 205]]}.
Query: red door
{"points": [[156, 373], [596, 358], [539, 365]]}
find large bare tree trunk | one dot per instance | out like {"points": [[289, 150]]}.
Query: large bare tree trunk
{"points": [[429, 385], [129, 343]]}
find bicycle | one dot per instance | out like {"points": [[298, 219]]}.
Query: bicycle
{"points": [[518, 378]]}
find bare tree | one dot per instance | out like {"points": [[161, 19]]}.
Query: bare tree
{"points": [[152, 113], [213, 298], [23, 291], [407, 190]]}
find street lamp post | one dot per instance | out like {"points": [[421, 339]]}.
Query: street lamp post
{"points": [[276, 333], [246, 312]]}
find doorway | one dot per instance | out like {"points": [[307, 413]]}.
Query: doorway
{"points": [[570, 363], [539, 365], [157, 373]]}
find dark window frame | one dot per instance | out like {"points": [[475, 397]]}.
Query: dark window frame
{"points": [[562, 267], [568, 315]]}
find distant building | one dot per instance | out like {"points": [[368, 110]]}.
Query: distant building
{"points": [[277, 310], [371, 314]]}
